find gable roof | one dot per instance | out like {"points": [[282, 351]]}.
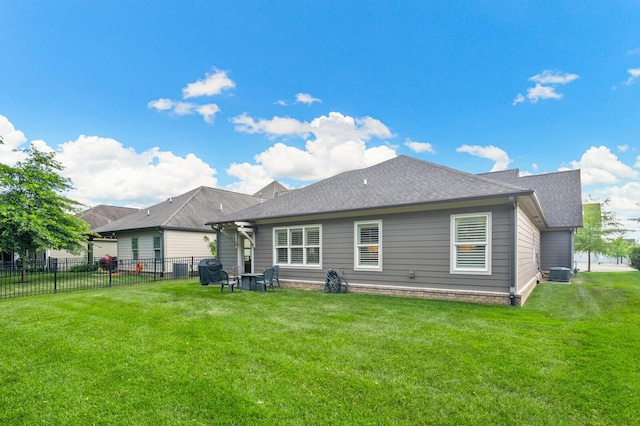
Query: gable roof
{"points": [[101, 215], [271, 191], [400, 181], [560, 194], [189, 211]]}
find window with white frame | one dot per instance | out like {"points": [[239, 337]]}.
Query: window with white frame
{"points": [[471, 243], [298, 246], [368, 245]]}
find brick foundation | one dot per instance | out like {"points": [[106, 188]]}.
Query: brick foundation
{"points": [[421, 293]]}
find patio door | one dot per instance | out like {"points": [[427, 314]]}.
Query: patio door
{"points": [[247, 255]]}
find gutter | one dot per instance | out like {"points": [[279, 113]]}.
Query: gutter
{"points": [[514, 236]]}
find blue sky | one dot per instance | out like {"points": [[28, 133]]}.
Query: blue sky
{"points": [[145, 100]]}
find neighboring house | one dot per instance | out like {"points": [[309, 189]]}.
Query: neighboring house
{"points": [[97, 246], [409, 227], [176, 227], [271, 191]]}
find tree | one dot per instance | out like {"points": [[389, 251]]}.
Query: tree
{"points": [[634, 255], [598, 225], [34, 215], [619, 248]]}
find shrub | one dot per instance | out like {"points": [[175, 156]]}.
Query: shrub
{"points": [[85, 267], [634, 255]]}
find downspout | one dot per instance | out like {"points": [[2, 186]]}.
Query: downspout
{"points": [[161, 232], [514, 239]]}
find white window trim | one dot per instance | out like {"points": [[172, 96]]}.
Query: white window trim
{"points": [[356, 253], [453, 257], [304, 246]]}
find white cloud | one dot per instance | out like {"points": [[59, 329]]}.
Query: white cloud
{"points": [[161, 104], [280, 102], [277, 126], [534, 94], [305, 98], [634, 73], [420, 146], [637, 165], [608, 178], [103, 170], [12, 139], [534, 167], [598, 165], [551, 77], [207, 111], [213, 84], [338, 143], [623, 148], [623, 201], [493, 153], [545, 87], [518, 99]]}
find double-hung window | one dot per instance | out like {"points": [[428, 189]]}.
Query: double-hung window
{"points": [[298, 246], [134, 248], [157, 247], [368, 245], [471, 243]]}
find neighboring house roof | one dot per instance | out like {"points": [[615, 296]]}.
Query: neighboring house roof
{"points": [[400, 181], [101, 215], [271, 191], [189, 211], [560, 194]]}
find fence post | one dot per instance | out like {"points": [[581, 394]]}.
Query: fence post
{"points": [[109, 268], [155, 268]]}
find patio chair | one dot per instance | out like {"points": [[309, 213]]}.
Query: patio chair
{"points": [[276, 274], [234, 275], [224, 280], [219, 276], [266, 279]]}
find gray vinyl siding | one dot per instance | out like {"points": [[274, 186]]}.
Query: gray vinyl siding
{"points": [[556, 249], [528, 246], [417, 241], [145, 244], [227, 251]]}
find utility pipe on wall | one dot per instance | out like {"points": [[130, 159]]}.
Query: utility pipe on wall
{"points": [[514, 249]]}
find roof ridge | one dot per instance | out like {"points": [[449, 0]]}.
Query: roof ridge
{"points": [[172, 215], [472, 175]]}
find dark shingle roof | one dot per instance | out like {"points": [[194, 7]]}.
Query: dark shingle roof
{"points": [[560, 194], [189, 211], [401, 181], [271, 191], [101, 215]]}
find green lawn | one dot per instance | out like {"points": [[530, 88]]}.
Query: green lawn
{"points": [[181, 353]]}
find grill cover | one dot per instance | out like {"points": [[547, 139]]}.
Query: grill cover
{"points": [[209, 271]]}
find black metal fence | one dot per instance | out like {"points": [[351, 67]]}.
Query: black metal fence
{"points": [[56, 275]]}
